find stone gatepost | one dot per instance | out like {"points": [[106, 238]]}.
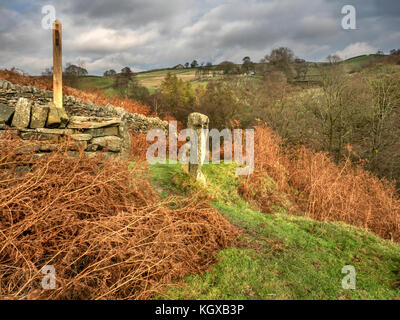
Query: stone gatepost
{"points": [[199, 123]]}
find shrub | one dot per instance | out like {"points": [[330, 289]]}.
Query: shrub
{"points": [[100, 225], [310, 183]]}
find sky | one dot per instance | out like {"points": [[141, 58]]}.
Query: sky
{"points": [[150, 34]]}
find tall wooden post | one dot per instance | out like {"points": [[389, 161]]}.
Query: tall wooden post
{"points": [[57, 117], [57, 65]]}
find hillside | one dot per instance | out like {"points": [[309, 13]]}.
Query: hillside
{"points": [[360, 60], [149, 79], [152, 79], [281, 256]]}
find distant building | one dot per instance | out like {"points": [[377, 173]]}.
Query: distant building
{"points": [[179, 66]]}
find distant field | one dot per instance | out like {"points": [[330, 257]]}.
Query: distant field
{"points": [[149, 79], [94, 82], [152, 79]]}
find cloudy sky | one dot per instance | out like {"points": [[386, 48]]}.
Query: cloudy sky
{"points": [[148, 34]]}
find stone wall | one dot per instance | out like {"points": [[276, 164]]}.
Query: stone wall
{"points": [[30, 112]]}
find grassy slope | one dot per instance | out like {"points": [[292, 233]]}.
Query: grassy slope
{"points": [[283, 256], [93, 82], [362, 59], [153, 79]]}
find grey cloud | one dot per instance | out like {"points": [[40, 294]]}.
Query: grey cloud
{"points": [[126, 13], [158, 33]]}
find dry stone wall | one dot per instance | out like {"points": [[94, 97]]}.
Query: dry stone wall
{"points": [[30, 112]]}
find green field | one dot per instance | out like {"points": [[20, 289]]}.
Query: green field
{"points": [[94, 82], [149, 79], [362, 59], [282, 256]]}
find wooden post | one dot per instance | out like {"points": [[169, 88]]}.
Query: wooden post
{"points": [[57, 65], [57, 117]]}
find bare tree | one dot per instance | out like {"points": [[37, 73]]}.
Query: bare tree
{"points": [[282, 59], [110, 73], [333, 59], [48, 72], [386, 100], [301, 67]]}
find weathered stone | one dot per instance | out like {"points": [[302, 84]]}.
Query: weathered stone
{"points": [[116, 110], [78, 122], [106, 155], [40, 155], [48, 147], [81, 137], [26, 89], [27, 147], [53, 119], [39, 116], [5, 113], [75, 146], [6, 85], [39, 136], [199, 123], [92, 147], [141, 123], [69, 99], [61, 132], [111, 143], [126, 142], [57, 117], [102, 132], [22, 115], [44, 134], [90, 154], [63, 117]]}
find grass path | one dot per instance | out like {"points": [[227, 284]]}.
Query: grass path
{"points": [[282, 256]]}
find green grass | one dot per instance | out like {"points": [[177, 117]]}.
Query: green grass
{"points": [[92, 82], [362, 59], [163, 72], [151, 89], [153, 79], [111, 92], [282, 256]]}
